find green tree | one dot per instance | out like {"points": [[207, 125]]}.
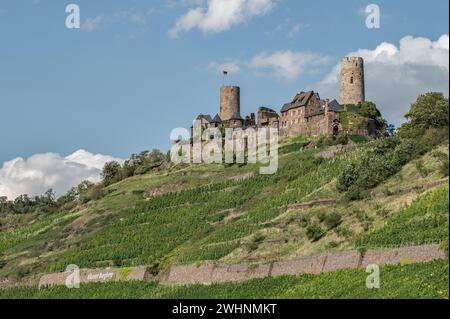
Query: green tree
{"points": [[429, 111], [369, 109], [111, 173]]}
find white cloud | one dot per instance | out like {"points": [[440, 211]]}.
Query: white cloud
{"points": [[91, 24], [220, 15], [287, 65], [127, 16], [395, 76], [40, 172]]}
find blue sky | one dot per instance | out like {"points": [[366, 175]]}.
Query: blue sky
{"points": [[121, 83]]}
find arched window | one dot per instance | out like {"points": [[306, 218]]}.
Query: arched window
{"points": [[335, 130]]}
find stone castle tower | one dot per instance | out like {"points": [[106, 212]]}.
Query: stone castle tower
{"points": [[352, 90], [230, 102]]}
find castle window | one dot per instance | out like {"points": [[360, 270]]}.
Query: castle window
{"points": [[351, 80]]}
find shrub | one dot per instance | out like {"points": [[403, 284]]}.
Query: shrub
{"points": [[333, 220], [314, 232], [257, 239], [321, 216], [342, 139], [19, 273], [97, 192], [383, 159], [111, 173], [443, 162], [421, 168], [304, 221], [344, 232], [348, 177], [355, 193]]}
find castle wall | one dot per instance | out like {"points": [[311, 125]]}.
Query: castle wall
{"points": [[229, 101], [352, 90], [295, 123]]}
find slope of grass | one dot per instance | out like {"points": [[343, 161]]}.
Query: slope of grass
{"points": [[425, 220], [190, 224], [427, 280]]}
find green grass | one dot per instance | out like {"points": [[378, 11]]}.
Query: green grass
{"points": [[124, 229], [425, 220], [426, 280]]}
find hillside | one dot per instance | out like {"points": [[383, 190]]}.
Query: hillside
{"points": [[232, 214]]}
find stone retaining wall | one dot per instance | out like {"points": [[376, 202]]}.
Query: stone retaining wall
{"points": [[207, 274], [412, 255], [99, 275], [307, 265], [220, 273]]}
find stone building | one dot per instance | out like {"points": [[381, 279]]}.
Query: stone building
{"points": [[229, 111], [268, 117], [352, 87], [307, 114]]}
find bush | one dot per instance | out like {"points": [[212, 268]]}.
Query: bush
{"points": [[97, 192], [383, 159], [321, 216], [421, 168], [443, 162], [342, 139], [111, 173], [304, 221], [348, 177], [355, 193], [333, 220], [257, 239], [344, 232], [314, 232]]}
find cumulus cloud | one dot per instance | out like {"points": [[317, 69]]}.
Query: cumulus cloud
{"points": [[287, 65], [40, 172], [220, 15], [396, 75]]}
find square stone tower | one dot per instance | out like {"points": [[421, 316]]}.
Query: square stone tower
{"points": [[352, 89]]}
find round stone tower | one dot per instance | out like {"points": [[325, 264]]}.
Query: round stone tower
{"points": [[230, 102], [352, 81]]}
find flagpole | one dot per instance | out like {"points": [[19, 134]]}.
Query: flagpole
{"points": [[224, 74]]}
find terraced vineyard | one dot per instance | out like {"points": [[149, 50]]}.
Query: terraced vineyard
{"points": [[233, 215]]}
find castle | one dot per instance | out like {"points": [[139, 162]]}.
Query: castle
{"points": [[307, 114]]}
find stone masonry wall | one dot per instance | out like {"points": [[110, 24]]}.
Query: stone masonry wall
{"points": [[229, 101], [352, 90], [207, 274], [98, 275], [219, 273]]}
